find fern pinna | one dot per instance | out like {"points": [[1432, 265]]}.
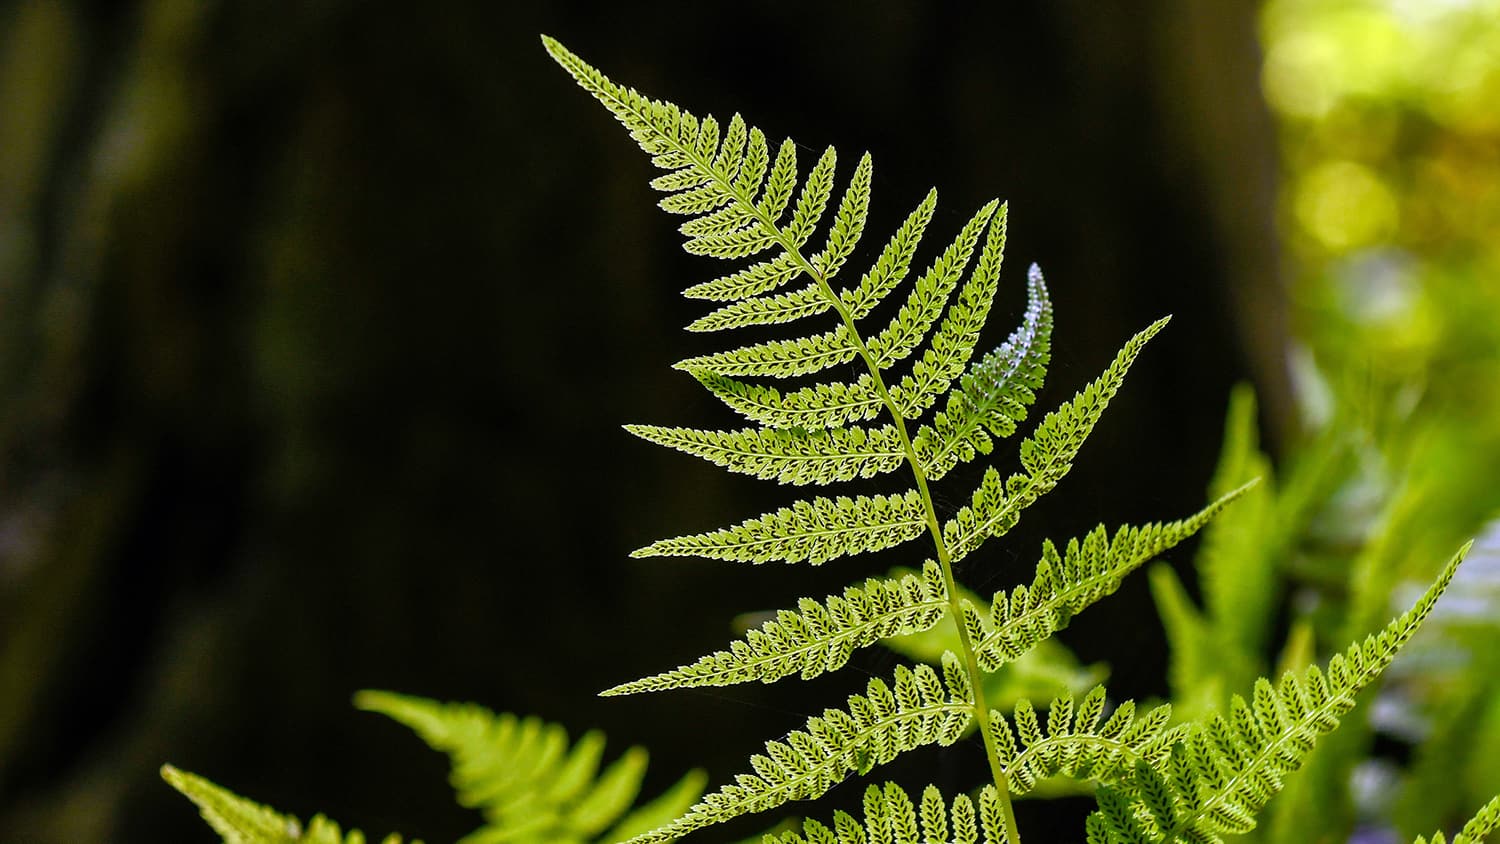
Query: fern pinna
{"points": [[920, 404]]}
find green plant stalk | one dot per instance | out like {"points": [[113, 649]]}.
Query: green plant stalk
{"points": [[934, 527]]}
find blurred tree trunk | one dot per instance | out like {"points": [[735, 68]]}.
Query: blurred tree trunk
{"points": [[319, 319]]}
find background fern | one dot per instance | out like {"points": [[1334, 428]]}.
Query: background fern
{"points": [[1300, 536], [533, 785], [241, 821]]}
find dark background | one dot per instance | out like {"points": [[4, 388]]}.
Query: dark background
{"points": [[320, 320]]}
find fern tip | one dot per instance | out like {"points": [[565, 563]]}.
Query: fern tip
{"points": [[1154, 328], [367, 699], [554, 48]]}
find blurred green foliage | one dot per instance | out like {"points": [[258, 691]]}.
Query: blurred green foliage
{"points": [[1390, 211], [1334, 544]]}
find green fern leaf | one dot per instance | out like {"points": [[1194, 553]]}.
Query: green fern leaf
{"points": [[891, 818], [819, 637], [1117, 820], [531, 784], [766, 310], [892, 265], [241, 821], [660, 810], [898, 339], [815, 531], [916, 709], [848, 222], [1201, 664], [1080, 747], [754, 280], [779, 358], [1067, 583], [237, 820], [1236, 764], [996, 392], [812, 201], [1237, 566], [738, 243], [1046, 456], [783, 181], [792, 456], [827, 405]]}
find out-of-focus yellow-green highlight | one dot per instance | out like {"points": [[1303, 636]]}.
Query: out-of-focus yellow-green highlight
{"points": [[1390, 128]]}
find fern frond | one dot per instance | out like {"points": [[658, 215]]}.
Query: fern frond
{"points": [[812, 201], [1202, 666], [916, 709], [1080, 747], [994, 395], [891, 818], [815, 530], [1067, 583], [532, 785], [740, 203], [818, 637], [1237, 566], [1046, 456], [241, 821], [1228, 768], [789, 456], [828, 405], [892, 265]]}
